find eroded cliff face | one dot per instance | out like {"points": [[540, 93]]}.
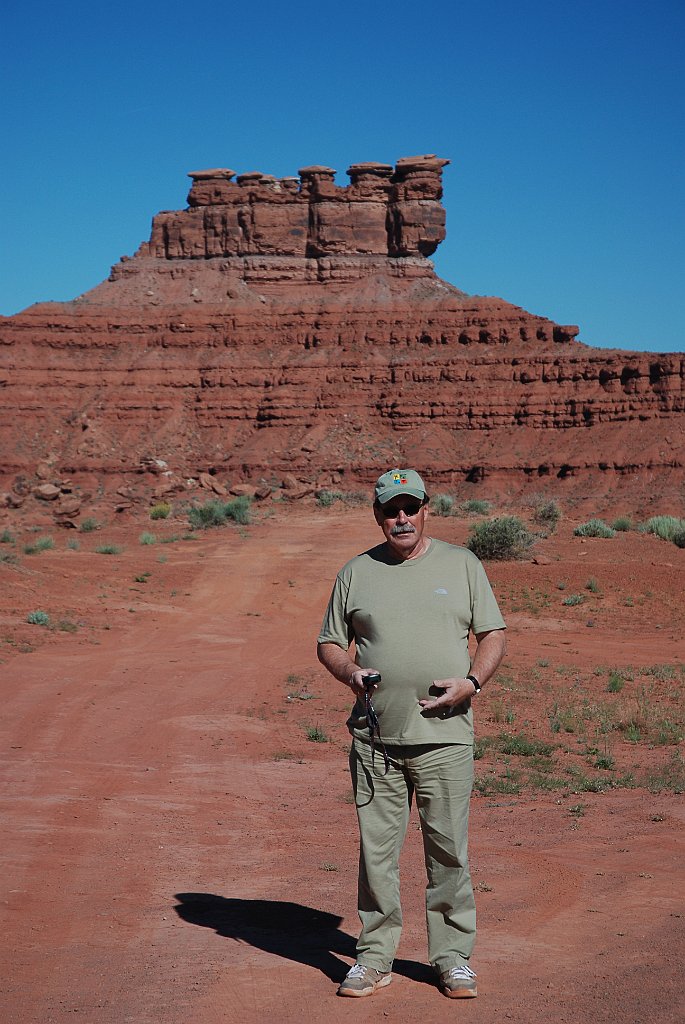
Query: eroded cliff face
{"points": [[296, 327]]}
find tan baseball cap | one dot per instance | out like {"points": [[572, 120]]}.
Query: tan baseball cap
{"points": [[399, 481]]}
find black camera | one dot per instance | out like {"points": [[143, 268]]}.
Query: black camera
{"points": [[372, 679]]}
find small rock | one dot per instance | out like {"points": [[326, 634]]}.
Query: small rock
{"points": [[243, 490], [541, 560], [68, 507], [46, 492]]}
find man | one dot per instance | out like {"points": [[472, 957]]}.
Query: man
{"points": [[407, 607]]}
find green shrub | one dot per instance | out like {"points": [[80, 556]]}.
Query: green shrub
{"points": [[89, 525], [592, 585], [594, 528], [506, 537], [316, 735], [442, 505], [108, 549], [475, 507], [521, 746], [38, 618], [73, 544], [327, 498], [616, 682], [217, 513], [622, 525], [147, 538], [41, 544], [160, 511], [8, 557], [547, 514], [573, 599], [6, 537], [667, 528]]}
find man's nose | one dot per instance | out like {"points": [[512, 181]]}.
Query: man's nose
{"points": [[402, 516]]}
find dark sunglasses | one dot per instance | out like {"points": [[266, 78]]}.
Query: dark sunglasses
{"points": [[410, 507]]}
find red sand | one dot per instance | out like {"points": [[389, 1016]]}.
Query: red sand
{"points": [[155, 751]]}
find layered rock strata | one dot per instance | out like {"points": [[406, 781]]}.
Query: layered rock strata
{"points": [[293, 326]]}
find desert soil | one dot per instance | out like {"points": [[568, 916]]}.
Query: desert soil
{"points": [[175, 848]]}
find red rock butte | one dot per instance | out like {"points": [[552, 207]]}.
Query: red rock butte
{"points": [[293, 326]]}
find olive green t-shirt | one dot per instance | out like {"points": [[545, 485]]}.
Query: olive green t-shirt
{"points": [[411, 620]]}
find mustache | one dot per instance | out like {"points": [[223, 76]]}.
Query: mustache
{"points": [[402, 528]]}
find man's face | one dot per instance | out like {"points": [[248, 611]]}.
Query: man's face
{"points": [[402, 521]]}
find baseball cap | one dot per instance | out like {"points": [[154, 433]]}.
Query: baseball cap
{"points": [[399, 481]]}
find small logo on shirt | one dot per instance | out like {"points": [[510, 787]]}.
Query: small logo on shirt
{"points": [[441, 592]]}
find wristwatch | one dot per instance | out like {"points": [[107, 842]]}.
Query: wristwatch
{"points": [[478, 687]]}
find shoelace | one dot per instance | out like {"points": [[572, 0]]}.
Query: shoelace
{"points": [[463, 972], [358, 971]]}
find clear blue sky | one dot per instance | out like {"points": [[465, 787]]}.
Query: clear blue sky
{"points": [[563, 121]]}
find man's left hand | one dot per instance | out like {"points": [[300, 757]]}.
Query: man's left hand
{"points": [[456, 692]]}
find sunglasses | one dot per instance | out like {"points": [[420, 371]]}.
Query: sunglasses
{"points": [[410, 507]]}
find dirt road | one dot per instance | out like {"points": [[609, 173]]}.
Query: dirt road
{"points": [[176, 849]]}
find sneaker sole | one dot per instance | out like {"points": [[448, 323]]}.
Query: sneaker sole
{"points": [[459, 993], [383, 983]]}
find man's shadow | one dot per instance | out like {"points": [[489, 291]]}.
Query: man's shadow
{"points": [[289, 930]]}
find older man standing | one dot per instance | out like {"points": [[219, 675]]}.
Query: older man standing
{"points": [[405, 609]]}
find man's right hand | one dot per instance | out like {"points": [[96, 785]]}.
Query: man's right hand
{"points": [[356, 682], [340, 665]]}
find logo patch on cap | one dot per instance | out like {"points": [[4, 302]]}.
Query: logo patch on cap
{"points": [[397, 478]]}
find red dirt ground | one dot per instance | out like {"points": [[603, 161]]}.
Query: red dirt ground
{"points": [[176, 849]]}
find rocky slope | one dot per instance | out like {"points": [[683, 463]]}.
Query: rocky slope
{"points": [[294, 327]]}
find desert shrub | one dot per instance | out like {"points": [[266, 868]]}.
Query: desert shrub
{"points": [[8, 557], [521, 746], [6, 537], [41, 544], [547, 514], [475, 507], [162, 510], [238, 510], [108, 549], [573, 599], [316, 735], [592, 585], [218, 513], [38, 618], [594, 528], [89, 525], [147, 538], [667, 528], [73, 544], [616, 682], [325, 498], [442, 505], [622, 525], [506, 537]]}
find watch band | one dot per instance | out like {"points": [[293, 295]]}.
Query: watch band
{"points": [[475, 682]]}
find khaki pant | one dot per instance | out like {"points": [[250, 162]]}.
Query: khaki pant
{"points": [[441, 777]]}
